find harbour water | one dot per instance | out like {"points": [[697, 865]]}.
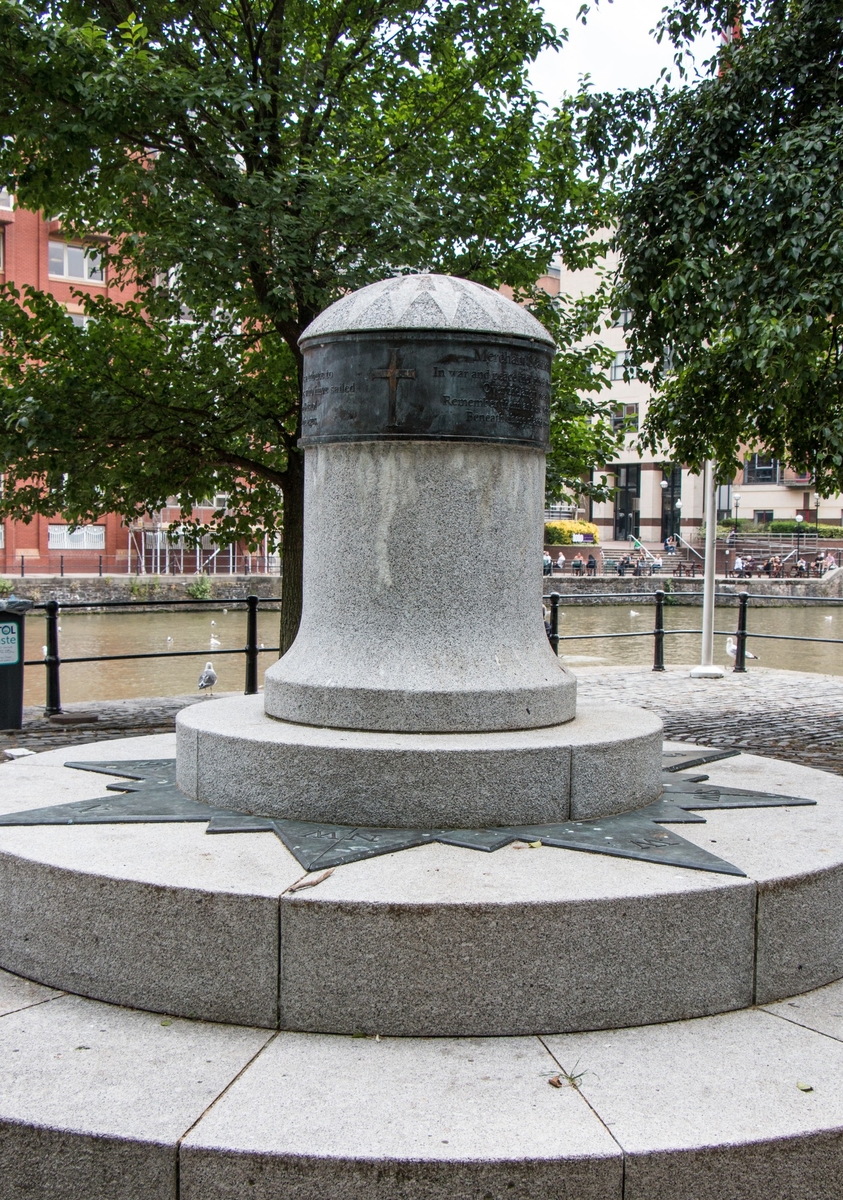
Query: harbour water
{"points": [[86, 634]]}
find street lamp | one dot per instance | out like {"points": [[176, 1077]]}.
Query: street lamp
{"points": [[816, 514], [737, 501], [799, 520]]}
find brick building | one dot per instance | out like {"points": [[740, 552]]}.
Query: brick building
{"points": [[34, 251]]}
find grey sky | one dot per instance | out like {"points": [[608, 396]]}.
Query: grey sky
{"points": [[615, 47]]}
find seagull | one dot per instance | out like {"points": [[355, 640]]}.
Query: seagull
{"points": [[213, 623], [732, 649], [208, 678], [215, 641], [44, 650], [633, 613], [829, 618], [169, 641]]}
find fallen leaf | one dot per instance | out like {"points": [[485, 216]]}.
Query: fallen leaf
{"points": [[556, 1081], [309, 881], [804, 1087], [534, 845], [167, 1022]]}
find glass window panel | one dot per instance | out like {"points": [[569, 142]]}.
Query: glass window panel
{"points": [[57, 258], [94, 261], [76, 262]]}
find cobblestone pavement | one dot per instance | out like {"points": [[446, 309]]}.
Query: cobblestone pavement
{"points": [[792, 715], [783, 714]]}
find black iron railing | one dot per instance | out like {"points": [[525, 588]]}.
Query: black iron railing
{"points": [[52, 660], [658, 633]]}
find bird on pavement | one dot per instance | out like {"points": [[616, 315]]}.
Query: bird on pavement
{"points": [[208, 678], [732, 649]]}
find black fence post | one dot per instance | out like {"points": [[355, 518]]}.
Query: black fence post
{"points": [[52, 660], [554, 622], [22, 567], [658, 633], [100, 566], [61, 565], [740, 650], [251, 645]]}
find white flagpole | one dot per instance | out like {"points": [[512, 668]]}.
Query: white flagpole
{"points": [[707, 669]]}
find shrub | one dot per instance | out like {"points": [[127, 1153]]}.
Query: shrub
{"points": [[200, 589], [561, 533], [6, 587]]}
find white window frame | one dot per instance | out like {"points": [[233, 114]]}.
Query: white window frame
{"points": [[7, 200], [619, 366], [90, 257], [79, 537]]}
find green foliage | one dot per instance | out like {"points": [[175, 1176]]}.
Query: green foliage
{"points": [[823, 531], [250, 163], [560, 533], [6, 587], [200, 589], [731, 236]]}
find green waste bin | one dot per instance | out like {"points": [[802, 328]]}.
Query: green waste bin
{"points": [[12, 613]]}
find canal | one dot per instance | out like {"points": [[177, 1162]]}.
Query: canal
{"points": [[210, 631]]}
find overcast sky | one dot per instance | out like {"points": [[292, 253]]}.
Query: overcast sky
{"points": [[615, 47]]}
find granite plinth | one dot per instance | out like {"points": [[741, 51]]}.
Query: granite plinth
{"points": [[437, 939], [397, 632], [232, 755]]}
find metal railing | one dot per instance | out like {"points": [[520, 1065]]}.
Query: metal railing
{"points": [[658, 633], [52, 660]]}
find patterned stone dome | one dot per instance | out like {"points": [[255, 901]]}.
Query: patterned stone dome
{"points": [[427, 302]]}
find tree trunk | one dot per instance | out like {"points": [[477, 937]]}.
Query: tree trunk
{"points": [[292, 553]]}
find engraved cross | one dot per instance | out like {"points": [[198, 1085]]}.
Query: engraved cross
{"points": [[393, 373]]}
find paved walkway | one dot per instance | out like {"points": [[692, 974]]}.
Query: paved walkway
{"points": [[784, 714], [792, 715]]}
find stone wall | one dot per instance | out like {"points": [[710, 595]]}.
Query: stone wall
{"points": [[134, 588], [611, 589]]}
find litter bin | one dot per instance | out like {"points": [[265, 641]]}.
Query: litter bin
{"points": [[12, 613]]}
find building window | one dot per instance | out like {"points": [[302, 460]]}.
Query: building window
{"points": [[623, 320], [763, 516], [7, 200], [82, 537], [80, 320], [221, 500], [2, 249], [620, 366], [760, 469], [76, 262], [2, 536], [625, 417]]}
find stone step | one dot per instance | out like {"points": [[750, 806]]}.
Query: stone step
{"points": [[437, 940], [99, 1102]]}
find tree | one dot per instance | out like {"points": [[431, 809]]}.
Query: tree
{"points": [[731, 239], [248, 163]]}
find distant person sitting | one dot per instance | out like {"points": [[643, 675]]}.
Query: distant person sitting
{"points": [[560, 562], [624, 564], [577, 563], [657, 564], [670, 545], [738, 567], [591, 565], [547, 563], [830, 561]]}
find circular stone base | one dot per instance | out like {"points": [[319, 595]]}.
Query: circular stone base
{"points": [[607, 760], [433, 941]]}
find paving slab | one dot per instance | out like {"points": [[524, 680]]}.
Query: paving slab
{"points": [[155, 916], [821, 1010], [742, 1105], [94, 1099], [796, 858], [444, 940], [318, 1118], [17, 993]]}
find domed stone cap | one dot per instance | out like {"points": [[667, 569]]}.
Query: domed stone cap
{"points": [[427, 302]]}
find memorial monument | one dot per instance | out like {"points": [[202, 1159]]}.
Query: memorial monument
{"points": [[453, 948]]}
